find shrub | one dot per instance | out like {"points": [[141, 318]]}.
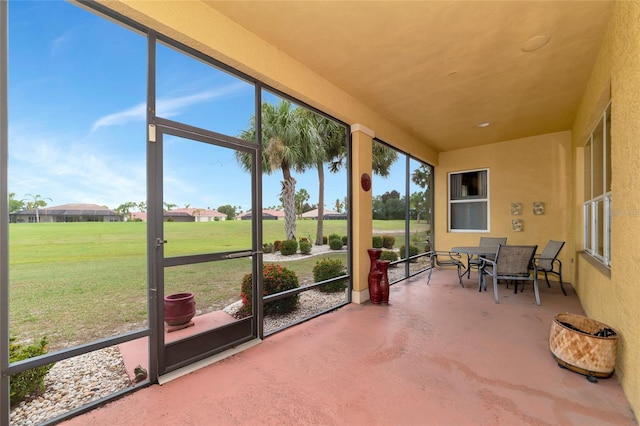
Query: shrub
{"points": [[389, 255], [324, 239], [345, 240], [307, 239], [413, 250], [267, 248], [388, 241], [289, 247], [276, 245], [29, 382], [332, 236], [335, 243], [276, 279], [326, 269], [377, 241], [305, 247]]}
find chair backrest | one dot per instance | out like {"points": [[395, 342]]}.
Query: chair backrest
{"points": [[491, 241], [548, 255], [514, 260]]}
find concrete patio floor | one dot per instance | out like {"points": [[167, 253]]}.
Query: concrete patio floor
{"points": [[436, 355]]}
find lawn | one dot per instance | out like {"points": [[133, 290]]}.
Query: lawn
{"points": [[77, 282]]}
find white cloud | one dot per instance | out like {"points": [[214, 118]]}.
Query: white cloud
{"points": [[135, 113], [74, 172], [166, 107], [60, 43]]}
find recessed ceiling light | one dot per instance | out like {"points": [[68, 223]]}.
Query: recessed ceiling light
{"points": [[535, 43], [483, 124]]}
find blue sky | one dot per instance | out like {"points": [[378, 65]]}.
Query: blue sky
{"points": [[77, 105]]}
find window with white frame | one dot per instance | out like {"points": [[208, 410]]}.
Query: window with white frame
{"points": [[469, 200], [597, 190]]}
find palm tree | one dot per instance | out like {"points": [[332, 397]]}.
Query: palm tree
{"points": [[36, 203], [324, 140], [15, 205], [124, 209], [168, 206], [281, 150], [301, 197], [383, 158]]}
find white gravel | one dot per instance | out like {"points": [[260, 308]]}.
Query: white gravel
{"points": [[73, 382]]}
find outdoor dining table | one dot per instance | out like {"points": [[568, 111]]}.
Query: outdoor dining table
{"points": [[476, 250], [480, 251]]}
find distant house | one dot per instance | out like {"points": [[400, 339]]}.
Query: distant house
{"points": [[327, 215], [185, 215], [67, 213], [194, 215], [266, 215], [140, 216]]}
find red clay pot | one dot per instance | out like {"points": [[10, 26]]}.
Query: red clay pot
{"points": [[179, 308]]}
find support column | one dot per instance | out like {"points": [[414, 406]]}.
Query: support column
{"points": [[362, 207]]}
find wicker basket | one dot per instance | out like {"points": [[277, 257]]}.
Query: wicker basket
{"points": [[583, 353]]}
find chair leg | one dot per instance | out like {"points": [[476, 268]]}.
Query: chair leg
{"points": [[561, 283], [429, 278], [535, 290], [460, 274], [495, 288], [547, 278]]}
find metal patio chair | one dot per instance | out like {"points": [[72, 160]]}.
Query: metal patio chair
{"points": [[447, 258], [547, 261], [511, 263], [474, 261]]}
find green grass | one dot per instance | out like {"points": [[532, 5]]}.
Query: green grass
{"points": [[77, 282]]}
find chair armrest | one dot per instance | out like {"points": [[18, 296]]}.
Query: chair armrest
{"points": [[446, 257], [484, 262]]}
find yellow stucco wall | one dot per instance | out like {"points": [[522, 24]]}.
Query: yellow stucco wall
{"points": [[362, 202], [615, 299], [520, 171]]}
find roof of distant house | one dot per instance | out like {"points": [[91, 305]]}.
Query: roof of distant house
{"points": [[266, 212], [197, 212], [314, 213], [72, 210]]}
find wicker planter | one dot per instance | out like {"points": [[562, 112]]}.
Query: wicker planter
{"points": [[581, 351]]}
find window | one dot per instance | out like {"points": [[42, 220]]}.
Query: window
{"points": [[597, 190], [469, 200]]}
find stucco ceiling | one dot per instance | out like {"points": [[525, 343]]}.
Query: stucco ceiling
{"points": [[439, 68]]}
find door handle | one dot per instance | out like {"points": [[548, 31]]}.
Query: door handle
{"points": [[159, 242], [240, 254]]}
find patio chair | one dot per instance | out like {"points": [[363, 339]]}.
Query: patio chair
{"points": [[511, 263], [446, 258], [474, 261], [548, 260]]}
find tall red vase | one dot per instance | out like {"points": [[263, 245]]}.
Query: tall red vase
{"points": [[374, 276], [383, 268], [375, 295]]}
